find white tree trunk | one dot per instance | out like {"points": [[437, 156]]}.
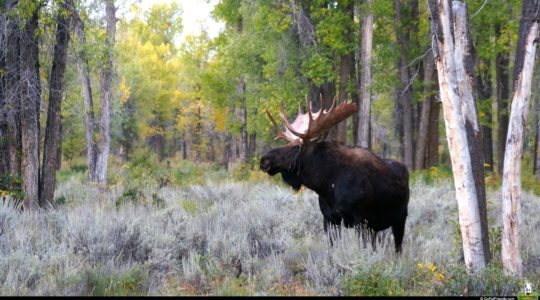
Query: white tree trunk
{"points": [[465, 78], [364, 112], [511, 190], [84, 74], [469, 218], [104, 142]]}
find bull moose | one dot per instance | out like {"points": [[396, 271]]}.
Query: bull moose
{"points": [[355, 186]]}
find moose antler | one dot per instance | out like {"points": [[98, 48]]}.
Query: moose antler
{"points": [[310, 125]]}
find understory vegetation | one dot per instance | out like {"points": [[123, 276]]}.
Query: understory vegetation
{"points": [[199, 230]]}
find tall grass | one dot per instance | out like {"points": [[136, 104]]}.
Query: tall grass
{"points": [[241, 238]]}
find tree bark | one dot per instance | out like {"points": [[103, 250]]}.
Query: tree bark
{"points": [[485, 94], [84, 74], [503, 95], [345, 67], [511, 189], [344, 76], [104, 142], [464, 58], [56, 89], [308, 46], [433, 134], [243, 149], [423, 127], [404, 92], [469, 216], [252, 145], [536, 167], [364, 111], [12, 93], [30, 101], [4, 152]]}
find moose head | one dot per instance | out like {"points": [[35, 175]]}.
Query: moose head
{"points": [[302, 134]]}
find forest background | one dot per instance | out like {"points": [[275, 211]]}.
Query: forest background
{"points": [[118, 101]]}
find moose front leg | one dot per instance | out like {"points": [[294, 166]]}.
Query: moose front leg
{"points": [[332, 230], [332, 223]]}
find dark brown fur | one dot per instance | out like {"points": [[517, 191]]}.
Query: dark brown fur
{"points": [[355, 186]]}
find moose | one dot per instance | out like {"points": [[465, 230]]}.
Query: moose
{"points": [[356, 188]]}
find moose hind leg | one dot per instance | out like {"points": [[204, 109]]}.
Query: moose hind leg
{"points": [[398, 230]]}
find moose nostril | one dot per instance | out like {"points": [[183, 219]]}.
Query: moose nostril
{"points": [[264, 164]]}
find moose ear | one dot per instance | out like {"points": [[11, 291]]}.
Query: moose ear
{"points": [[292, 180]]}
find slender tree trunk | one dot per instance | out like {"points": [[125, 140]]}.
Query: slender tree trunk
{"points": [[226, 155], [423, 128], [228, 143], [345, 67], [56, 89], [30, 102], [211, 156], [308, 46], [364, 111], [485, 93], [59, 149], [433, 134], [243, 149], [84, 74], [503, 95], [536, 168], [344, 76], [511, 189], [252, 145], [12, 93], [184, 147], [104, 142], [469, 216], [464, 58], [404, 96], [4, 152]]}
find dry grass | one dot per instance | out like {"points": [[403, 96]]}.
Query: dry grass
{"points": [[240, 238]]}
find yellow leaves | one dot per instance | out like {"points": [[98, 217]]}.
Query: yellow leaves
{"points": [[482, 114], [430, 270], [219, 116], [433, 171], [124, 90], [4, 194], [147, 131]]}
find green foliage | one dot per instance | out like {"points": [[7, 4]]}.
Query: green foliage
{"points": [[190, 206], [60, 200], [143, 168], [432, 175], [157, 201], [373, 282], [426, 278], [131, 194], [490, 281], [98, 282], [186, 172], [11, 186]]}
